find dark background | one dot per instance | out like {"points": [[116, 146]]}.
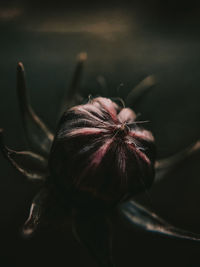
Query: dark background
{"points": [[125, 43]]}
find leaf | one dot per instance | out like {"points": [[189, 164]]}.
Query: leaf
{"points": [[37, 133], [29, 164], [141, 217]]}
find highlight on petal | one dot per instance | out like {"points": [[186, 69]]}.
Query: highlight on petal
{"points": [[126, 115], [109, 106], [84, 131], [142, 134], [100, 153]]}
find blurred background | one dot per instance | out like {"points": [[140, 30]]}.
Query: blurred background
{"points": [[125, 42]]}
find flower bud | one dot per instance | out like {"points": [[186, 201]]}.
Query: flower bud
{"points": [[101, 155]]}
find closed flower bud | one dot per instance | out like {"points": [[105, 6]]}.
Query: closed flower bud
{"points": [[101, 155]]}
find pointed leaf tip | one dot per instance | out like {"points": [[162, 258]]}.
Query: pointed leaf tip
{"points": [[27, 232], [20, 66], [150, 80], [82, 56]]}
